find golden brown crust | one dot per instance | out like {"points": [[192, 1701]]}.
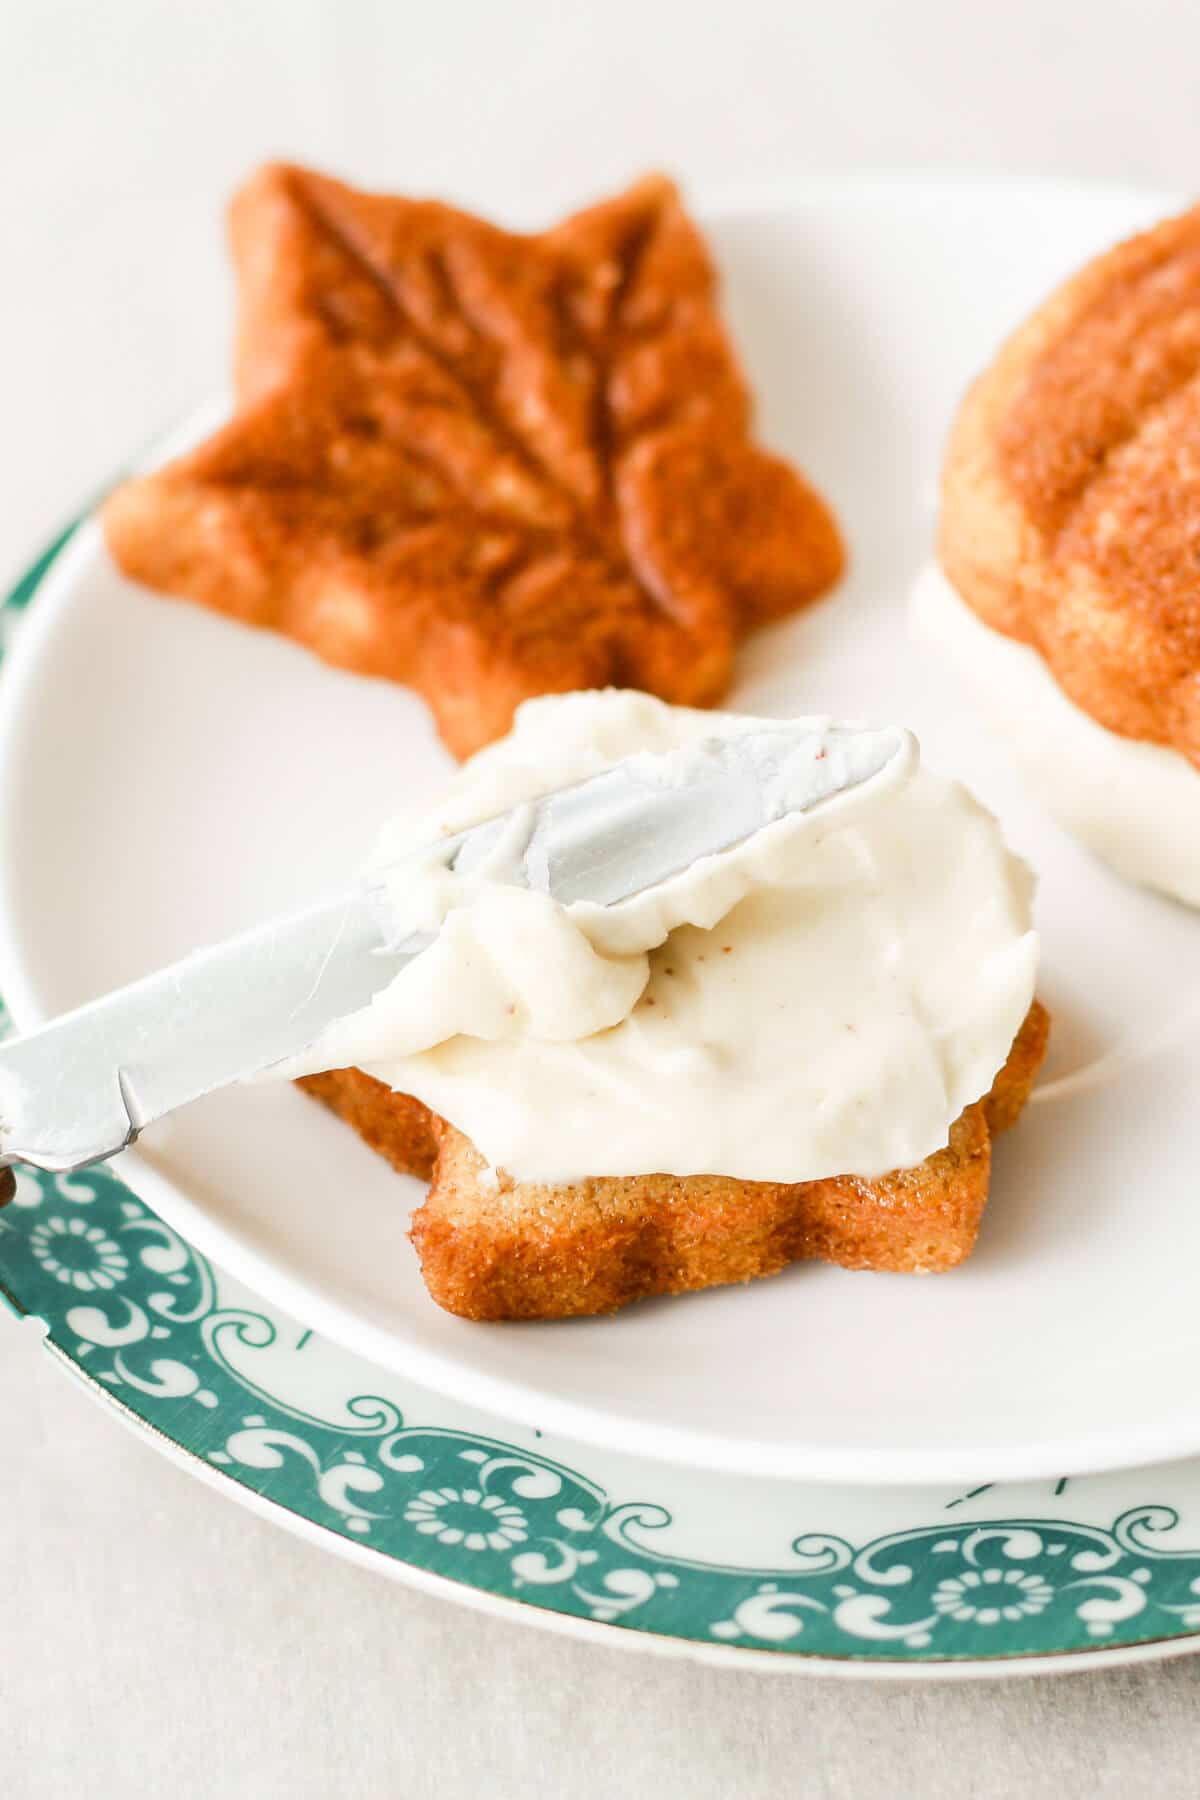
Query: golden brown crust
{"points": [[398, 1127], [485, 465], [1013, 1085], [1071, 512], [598, 1245], [518, 1250]]}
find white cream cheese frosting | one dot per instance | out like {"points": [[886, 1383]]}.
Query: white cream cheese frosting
{"points": [[1136, 805], [824, 999]]}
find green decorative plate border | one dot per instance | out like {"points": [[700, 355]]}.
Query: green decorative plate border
{"points": [[181, 1349], [146, 1320]]}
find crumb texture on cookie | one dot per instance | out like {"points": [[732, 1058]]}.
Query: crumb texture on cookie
{"points": [[1071, 514], [491, 1248], [483, 464]]}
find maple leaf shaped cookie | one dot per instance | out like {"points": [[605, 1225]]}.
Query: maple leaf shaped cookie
{"points": [[486, 465]]}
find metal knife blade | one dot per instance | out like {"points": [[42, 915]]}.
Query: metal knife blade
{"points": [[82, 1087]]}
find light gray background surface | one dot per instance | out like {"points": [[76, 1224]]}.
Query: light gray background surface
{"points": [[155, 1640]]}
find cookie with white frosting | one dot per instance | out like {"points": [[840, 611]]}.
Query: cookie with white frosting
{"points": [[1070, 535]]}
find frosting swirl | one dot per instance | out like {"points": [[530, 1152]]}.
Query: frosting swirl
{"points": [[823, 999]]}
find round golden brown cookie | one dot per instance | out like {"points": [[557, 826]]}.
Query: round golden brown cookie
{"points": [[1071, 499]]}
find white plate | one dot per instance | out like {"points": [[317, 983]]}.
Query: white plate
{"points": [[168, 776]]}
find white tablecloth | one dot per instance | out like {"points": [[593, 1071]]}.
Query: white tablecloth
{"points": [[155, 1640]]}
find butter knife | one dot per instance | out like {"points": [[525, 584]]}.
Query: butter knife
{"points": [[81, 1088]]}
